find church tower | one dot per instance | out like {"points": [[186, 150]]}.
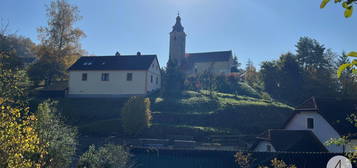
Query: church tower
{"points": [[177, 41]]}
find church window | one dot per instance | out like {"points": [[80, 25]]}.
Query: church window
{"points": [[157, 80], [151, 79]]}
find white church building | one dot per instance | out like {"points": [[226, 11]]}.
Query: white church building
{"points": [[218, 62], [114, 76]]}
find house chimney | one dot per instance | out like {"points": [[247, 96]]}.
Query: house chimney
{"points": [[117, 54], [138, 53]]}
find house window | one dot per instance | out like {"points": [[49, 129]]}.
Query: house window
{"points": [[268, 148], [105, 76], [310, 123], [151, 79], [129, 76], [84, 76], [157, 80]]}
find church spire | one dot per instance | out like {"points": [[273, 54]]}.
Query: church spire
{"points": [[178, 26], [177, 42]]}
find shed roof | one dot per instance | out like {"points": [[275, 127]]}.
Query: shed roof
{"points": [[292, 140]]}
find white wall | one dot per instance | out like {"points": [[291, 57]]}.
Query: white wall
{"points": [[262, 147], [322, 129], [153, 71], [117, 84]]}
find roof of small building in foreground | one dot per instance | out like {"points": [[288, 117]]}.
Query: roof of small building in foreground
{"points": [[209, 56], [334, 110], [124, 62], [292, 140]]}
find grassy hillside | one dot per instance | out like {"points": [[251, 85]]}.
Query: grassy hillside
{"points": [[195, 114], [220, 113]]}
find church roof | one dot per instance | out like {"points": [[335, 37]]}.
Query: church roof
{"points": [[209, 56], [334, 110], [292, 140], [127, 62], [178, 26]]}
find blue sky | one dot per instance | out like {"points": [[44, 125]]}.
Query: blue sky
{"points": [[253, 29]]}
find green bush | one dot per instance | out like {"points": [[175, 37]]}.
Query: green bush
{"points": [[61, 138], [107, 156], [136, 115]]}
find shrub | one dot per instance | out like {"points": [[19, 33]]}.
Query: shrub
{"points": [[61, 138], [20, 147], [107, 156], [136, 115]]}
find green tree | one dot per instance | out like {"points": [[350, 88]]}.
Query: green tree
{"points": [[347, 80], [290, 78], [59, 40], [45, 70], [60, 138], [317, 68], [251, 75], [283, 78], [104, 157], [173, 80], [14, 49], [13, 85], [270, 75], [208, 81], [310, 54], [235, 65], [136, 115]]}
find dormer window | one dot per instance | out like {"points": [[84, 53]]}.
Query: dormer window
{"points": [[310, 123]]}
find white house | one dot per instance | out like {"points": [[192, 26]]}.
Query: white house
{"points": [[279, 140], [114, 76], [326, 118]]}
